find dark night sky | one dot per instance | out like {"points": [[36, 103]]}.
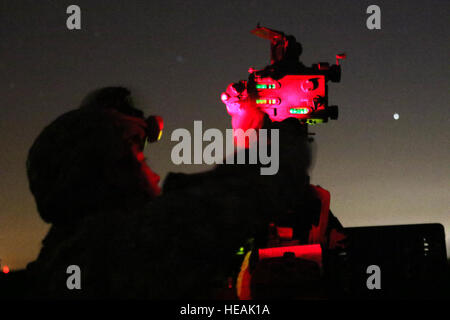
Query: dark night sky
{"points": [[178, 56]]}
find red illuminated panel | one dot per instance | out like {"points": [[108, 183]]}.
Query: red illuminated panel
{"points": [[295, 96], [285, 233], [311, 252]]}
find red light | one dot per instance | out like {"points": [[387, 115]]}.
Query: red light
{"points": [[230, 282], [309, 252], [285, 233], [5, 269], [340, 56], [224, 97], [140, 156]]}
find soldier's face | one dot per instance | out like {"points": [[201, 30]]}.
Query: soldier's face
{"points": [[151, 178]]}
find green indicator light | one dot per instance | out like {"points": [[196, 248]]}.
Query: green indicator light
{"points": [[314, 121], [265, 86], [265, 101], [241, 251], [299, 110]]}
